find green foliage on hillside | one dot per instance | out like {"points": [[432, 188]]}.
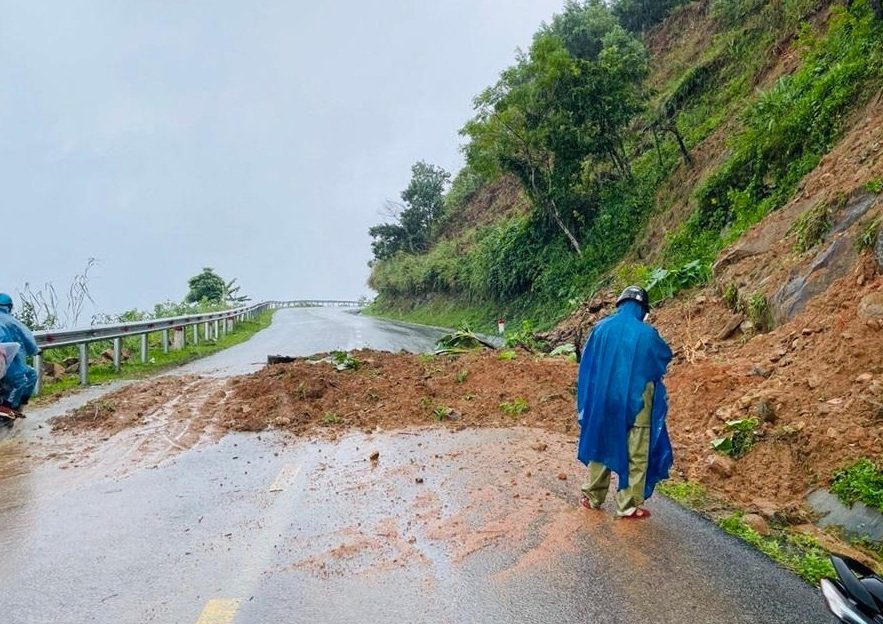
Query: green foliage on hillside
{"points": [[785, 132], [575, 121]]}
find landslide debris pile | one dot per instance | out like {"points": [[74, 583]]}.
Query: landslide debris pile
{"points": [[374, 389]]}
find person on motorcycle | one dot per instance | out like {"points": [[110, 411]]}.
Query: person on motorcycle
{"points": [[20, 380], [621, 407]]}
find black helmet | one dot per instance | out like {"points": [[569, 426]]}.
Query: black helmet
{"points": [[635, 293]]}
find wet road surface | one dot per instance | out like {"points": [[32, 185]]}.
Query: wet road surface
{"points": [[447, 527], [305, 331]]}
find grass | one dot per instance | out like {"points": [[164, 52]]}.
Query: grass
{"points": [[160, 362], [801, 553], [688, 493], [861, 481]]}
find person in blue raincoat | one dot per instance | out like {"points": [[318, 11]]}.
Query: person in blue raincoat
{"points": [[18, 384], [621, 407]]}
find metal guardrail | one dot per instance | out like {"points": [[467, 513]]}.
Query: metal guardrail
{"points": [[214, 324]]}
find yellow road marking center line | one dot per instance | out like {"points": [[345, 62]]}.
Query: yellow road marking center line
{"points": [[219, 611]]}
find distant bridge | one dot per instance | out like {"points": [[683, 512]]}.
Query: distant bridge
{"points": [[319, 303]]}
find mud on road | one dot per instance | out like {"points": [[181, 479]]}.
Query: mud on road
{"points": [[311, 397]]}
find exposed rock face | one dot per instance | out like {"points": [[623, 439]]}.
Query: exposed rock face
{"points": [[829, 265]]}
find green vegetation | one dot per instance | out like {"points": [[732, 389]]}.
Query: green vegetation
{"points": [[416, 219], [441, 412], [461, 340], [343, 360], [870, 234], [759, 312], [330, 418], [210, 288], [688, 493], [664, 284], [874, 185], [515, 406], [524, 337], [741, 437], [861, 481], [800, 553], [811, 227]]}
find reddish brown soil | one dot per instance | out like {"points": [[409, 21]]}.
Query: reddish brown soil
{"points": [[309, 396]]}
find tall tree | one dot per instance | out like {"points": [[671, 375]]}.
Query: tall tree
{"points": [[207, 286], [416, 217], [562, 111]]}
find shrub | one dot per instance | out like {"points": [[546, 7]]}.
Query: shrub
{"points": [[861, 481], [740, 439], [810, 227]]}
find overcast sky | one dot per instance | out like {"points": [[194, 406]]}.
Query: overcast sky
{"points": [[257, 137]]}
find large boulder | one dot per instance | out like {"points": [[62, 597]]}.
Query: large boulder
{"points": [[871, 306], [53, 370]]}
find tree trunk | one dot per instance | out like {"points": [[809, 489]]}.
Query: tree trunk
{"points": [[672, 127], [553, 210]]}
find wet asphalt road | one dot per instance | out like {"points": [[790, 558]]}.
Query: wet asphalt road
{"points": [[265, 528]]}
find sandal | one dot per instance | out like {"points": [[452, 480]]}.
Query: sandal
{"points": [[638, 514], [585, 502]]}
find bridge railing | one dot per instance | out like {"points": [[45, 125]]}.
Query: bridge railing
{"points": [[173, 330]]}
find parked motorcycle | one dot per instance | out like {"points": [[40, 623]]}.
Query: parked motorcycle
{"points": [[856, 595]]}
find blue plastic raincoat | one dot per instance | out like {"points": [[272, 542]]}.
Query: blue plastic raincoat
{"points": [[621, 356], [20, 379]]}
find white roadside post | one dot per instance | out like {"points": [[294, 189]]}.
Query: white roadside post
{"points": [[38, 365], [117, 353], [84, 363]]}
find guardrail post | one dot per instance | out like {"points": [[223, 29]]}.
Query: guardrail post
{"points": [[206, 331], [217, 329], [196, 333], [144, 348], [38, 364], [117, 353], [165, 341], [180, 338], [84, 363]]}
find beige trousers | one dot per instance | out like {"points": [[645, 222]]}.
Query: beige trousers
{"points": [[598, 479]]}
